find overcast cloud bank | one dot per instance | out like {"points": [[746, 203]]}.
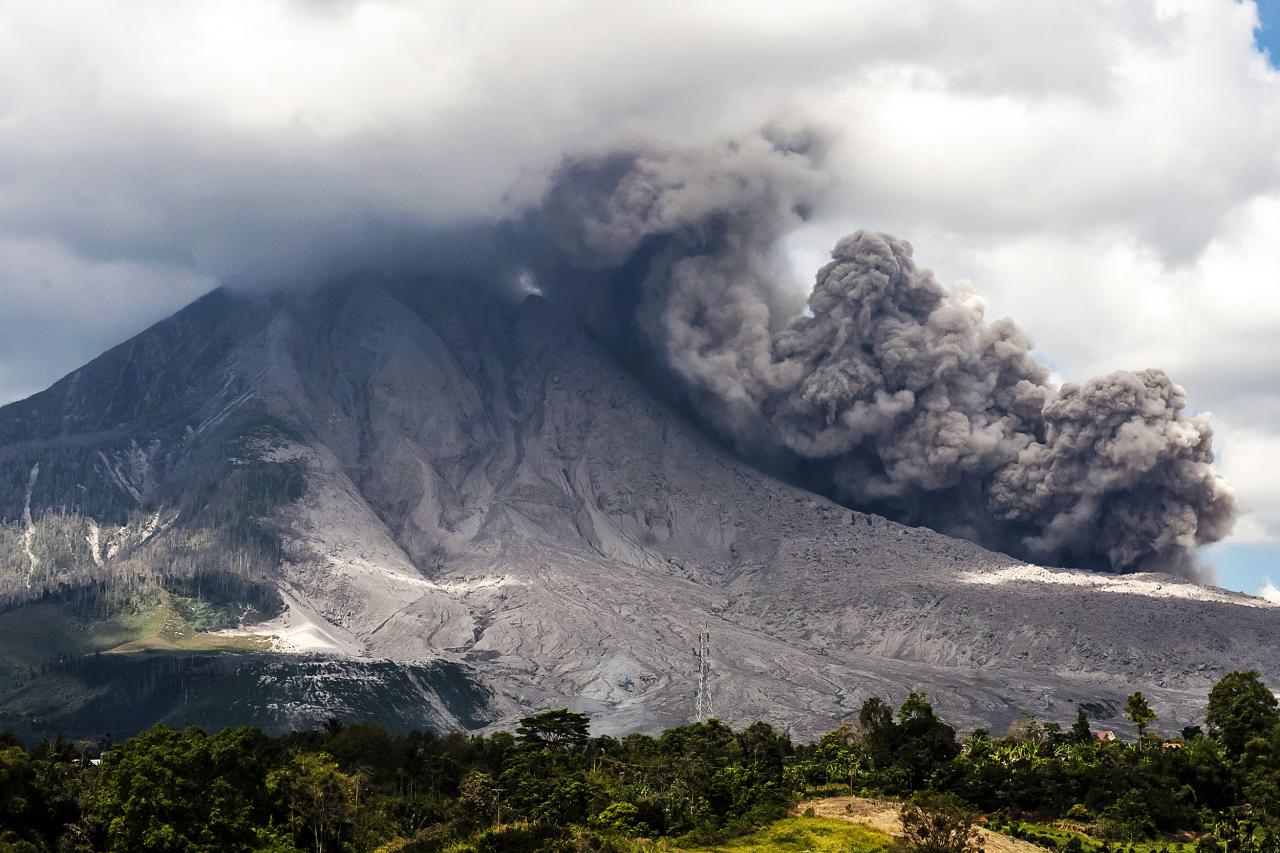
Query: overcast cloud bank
{"points": [[1106, 173]]}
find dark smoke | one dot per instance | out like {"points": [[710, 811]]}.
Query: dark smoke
{"points": [[885, 390]]}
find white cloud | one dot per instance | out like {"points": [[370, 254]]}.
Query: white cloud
{"points": [[1269, 592], [142, 129], [1248, 459], [1106, 173]]}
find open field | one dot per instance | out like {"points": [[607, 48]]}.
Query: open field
{"points": [[32, 636], [794, 834], [1061, 832], [163, 628], [882, 816]]}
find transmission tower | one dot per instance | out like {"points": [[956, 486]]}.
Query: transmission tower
{"points": [[703, 707]]}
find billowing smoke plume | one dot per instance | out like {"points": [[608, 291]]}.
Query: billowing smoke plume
{"points": [[885, 390]]}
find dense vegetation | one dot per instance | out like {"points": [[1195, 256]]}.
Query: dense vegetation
{"points": [[550, 786], [109, 528]]}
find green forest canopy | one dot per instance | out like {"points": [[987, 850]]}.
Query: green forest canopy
{"points": [[551, 786]]}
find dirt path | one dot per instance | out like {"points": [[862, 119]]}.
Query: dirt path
{"points": [[883, 816]]}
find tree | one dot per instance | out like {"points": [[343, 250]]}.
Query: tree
{"points": [[841, 756], [925, 742], [560, 729], [480, 795], [1139, 712], [765, 748], [879, 733], [11, 843], [939, 823], [16, 788], [1240, 707], [182, 791], [1080, 731], [322, 800]]}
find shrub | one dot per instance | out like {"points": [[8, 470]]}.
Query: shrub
{"points": [[1128, 820], [622, 818], [1208, 844], [510, 839], [939, 823]]}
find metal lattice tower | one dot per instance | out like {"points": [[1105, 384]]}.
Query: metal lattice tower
{"points": [[703, 707]]}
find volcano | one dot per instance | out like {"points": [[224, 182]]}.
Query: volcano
{"points": [[387, 500]]}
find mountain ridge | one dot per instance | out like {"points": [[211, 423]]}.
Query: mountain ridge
{"points": [[419, 476]]}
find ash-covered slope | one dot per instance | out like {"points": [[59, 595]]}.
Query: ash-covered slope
{"points": [[483, 486]]}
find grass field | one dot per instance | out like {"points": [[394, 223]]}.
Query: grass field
{"points": [[1061, 834], [164, 629], [882, 816], [31, 636], [792, 835]]}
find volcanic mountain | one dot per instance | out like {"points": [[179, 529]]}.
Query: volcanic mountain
{"points": [[377, 500]]}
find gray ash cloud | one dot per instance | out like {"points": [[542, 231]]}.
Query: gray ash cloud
{"points": [[884, 389]]}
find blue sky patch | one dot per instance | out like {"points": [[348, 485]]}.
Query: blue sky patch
{"points": [[1268, 34]]}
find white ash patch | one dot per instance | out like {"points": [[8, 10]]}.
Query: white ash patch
{"points": [[94, 538], [300, 630], [1150, 585], [29, 531]]}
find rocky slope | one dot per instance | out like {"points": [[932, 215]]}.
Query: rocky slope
{"points": [[372, 472]]}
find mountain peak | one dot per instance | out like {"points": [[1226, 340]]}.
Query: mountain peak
{"points": [[385, 477]]}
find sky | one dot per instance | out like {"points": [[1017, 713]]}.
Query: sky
{"points": [[1105, 173]]}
